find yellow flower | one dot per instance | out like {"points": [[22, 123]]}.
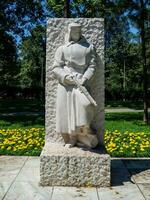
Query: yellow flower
{"points": [[14, 149], [147, 143], [142, 149], [9, 148]]}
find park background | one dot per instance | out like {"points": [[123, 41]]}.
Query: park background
{"points": [[127, 72]]}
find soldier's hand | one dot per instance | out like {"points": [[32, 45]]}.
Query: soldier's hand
{"points": [[69, 80]]}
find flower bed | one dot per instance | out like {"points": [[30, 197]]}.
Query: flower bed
{"points": [[127, 144], [22, 141], [31, 141]]}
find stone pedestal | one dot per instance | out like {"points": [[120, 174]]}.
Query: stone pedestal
{"points": [[60, 166]]}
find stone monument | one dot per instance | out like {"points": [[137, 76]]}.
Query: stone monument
{"points": [[74, 105]]}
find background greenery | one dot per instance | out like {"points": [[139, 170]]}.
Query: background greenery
{"points": [[23, 44], [22, 71]]}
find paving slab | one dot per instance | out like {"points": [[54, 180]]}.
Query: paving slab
{"points": [[73, 193], [4, 186], [12, 161], [29, 174], [126, 192], [140, 176], [32, 162], [28, 191], [30, 170], [145, 189], [10, 167]]}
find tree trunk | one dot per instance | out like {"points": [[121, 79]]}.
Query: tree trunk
{"points": [[66, 9], [145, 81]]}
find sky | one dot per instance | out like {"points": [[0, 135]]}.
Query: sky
{"points": [[133, 29]]}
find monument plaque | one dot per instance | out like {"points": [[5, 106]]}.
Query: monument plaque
{"points": [[74, 105]]}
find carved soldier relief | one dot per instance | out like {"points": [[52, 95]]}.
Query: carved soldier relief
{"points": [[74, 67]]}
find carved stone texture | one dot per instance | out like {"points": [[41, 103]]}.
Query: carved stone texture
{"points": [[60, 166], [93, 30]]}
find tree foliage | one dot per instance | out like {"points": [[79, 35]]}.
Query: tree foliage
{"points": [[18, 19], [8, 52], [32, 60], [24, 64]]}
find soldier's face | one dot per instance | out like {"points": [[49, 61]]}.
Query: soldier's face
{"points": [[75, 34]]}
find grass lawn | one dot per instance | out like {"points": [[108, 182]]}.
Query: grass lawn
{"points": [[113, 121], [131, 121], [22, 121]]}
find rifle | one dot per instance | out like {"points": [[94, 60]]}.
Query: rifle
{"points": [[84, 91], [82, 88]]}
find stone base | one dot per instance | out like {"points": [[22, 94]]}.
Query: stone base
{"points": [[60, 166]]}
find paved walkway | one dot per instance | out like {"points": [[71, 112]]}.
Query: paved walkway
{"points": [[19, 178], [122, 110]]}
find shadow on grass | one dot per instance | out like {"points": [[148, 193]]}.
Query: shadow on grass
{"points": [[22, 121]]}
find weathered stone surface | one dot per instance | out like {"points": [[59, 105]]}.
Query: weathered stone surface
{"points": [[74, 193], [93, 30], [127, 192], [23, 190], [60, 166], [145, 188]]}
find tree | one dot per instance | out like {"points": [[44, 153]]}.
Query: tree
{"points": [[123, 59], [138, 12], [17, 19], [66, 8], [22, 15], [117, 39], [8, 61], [33, 59], [76, 8], [8, 52]]}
